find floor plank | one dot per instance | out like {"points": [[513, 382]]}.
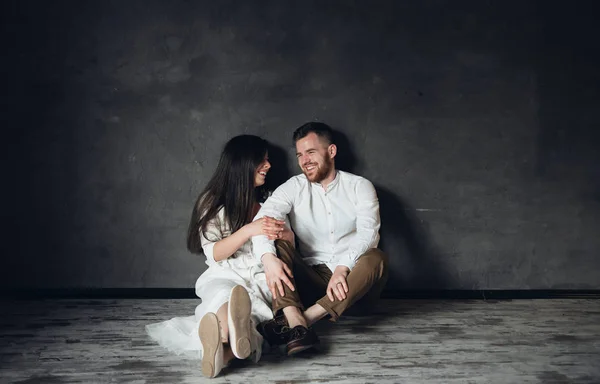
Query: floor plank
{"points": [[521, 341]]}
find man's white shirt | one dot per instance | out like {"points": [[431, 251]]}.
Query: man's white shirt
{"points": [[333, 227]]}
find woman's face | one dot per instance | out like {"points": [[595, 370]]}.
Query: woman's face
{"points": [[261, 172]]}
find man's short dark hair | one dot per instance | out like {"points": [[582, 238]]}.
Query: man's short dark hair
{"points": [[322, 130]]}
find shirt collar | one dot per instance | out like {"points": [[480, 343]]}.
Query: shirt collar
{"points": [[333, 182]]}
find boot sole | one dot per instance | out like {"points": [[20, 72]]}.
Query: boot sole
{"points": [[295, 350]]}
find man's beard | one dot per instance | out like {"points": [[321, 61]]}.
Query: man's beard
{"points": [[321, 173]]}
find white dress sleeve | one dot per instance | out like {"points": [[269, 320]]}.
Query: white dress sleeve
{"points": [[214, 232]]}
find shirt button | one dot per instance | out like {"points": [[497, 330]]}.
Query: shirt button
{"points": [[329, 213]]}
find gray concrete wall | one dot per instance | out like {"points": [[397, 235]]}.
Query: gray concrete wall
{"points": [[477, 122]]}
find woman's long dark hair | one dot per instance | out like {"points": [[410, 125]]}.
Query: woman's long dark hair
{"points": [[231, 187]]}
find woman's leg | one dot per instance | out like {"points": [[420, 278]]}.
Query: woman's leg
{"points": [[222, 316], [217, 294], [214, 335]]}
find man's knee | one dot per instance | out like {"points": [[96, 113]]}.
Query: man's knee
{"points": [[285, 251], [375, 259]]}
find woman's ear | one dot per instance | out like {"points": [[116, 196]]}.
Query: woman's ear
{"points": [[332, 150]]}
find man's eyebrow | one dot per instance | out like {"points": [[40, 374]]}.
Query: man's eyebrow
{"points": [[308, 150]]}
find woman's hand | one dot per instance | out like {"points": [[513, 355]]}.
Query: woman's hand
{"points": [[268, 226], [288, 235]]}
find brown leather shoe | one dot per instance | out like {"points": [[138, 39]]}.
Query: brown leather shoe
{"points": [[301, 338], [276, 331]]}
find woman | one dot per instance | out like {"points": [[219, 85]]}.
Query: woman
{"points": [[234, 292]]}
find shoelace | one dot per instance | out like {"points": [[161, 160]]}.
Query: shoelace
{"points": [[298, 332], [284, 329], [280, 320]]}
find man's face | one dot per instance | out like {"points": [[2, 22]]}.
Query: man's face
{"points": [[315, 157]]}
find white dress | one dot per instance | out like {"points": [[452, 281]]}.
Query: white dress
{"points": [[180, 334]]}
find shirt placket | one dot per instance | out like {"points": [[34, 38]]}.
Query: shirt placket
{"points": [[330, 226]]}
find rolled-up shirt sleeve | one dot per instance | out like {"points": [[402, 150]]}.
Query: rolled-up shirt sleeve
{"points": [[278, 205], [213, 233], [368, 223]]}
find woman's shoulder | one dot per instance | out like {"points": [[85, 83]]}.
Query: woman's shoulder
{"points": [[218, 223], [218, 218], [220, 215]]}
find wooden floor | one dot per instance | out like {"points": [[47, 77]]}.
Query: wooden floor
{"points": [[522, 341]]}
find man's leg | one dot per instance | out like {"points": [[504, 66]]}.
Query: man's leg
{"points": [[309, 284], [369, 273], [292, 329], [316, 312]]}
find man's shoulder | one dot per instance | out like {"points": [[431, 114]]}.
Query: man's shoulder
{"points": [[293, 184], [297, 180], [352, 178]]}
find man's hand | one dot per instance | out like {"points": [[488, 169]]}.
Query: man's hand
{"points": [[277, 273], [338, 286]]}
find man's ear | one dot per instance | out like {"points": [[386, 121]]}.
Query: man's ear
{"points": [[332, 151]]}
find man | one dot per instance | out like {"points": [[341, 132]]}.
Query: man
{"points": [[335, 217]]}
